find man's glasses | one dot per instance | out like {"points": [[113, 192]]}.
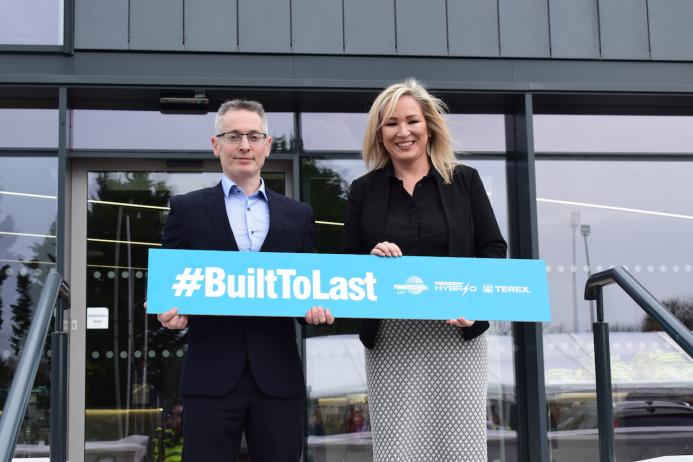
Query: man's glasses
{"points": [[234, 138]]}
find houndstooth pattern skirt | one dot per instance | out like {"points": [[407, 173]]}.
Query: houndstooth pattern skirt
{"points": [[427, 393]]}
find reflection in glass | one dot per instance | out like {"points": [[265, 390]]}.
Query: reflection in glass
{"points": [[635, 214], [325, 186], [31, 22], [28, 207], [126, 396], [110, 129], [338, 416]]}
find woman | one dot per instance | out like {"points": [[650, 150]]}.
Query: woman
{"points": [[426, 379]]}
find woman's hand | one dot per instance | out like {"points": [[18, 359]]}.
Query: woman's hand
{"points": [[460, 322], [386, 249], [172, 320], [319, 315]]}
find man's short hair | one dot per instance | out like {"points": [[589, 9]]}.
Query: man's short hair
{"points": [[239, 104]]}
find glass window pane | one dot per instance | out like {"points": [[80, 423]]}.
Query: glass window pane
{"points": [[28, 128], [105, 129], [31, 22], [325, 186], [338, 411], [132, 368], [636, 214], [608, 133], [332, 131], [344, 131], [492, 173], [28, 206], [477, 132]]}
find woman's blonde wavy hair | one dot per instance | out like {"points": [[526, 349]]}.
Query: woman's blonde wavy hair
{"points": [[439, 144]]}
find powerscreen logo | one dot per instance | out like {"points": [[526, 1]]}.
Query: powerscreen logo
{"points": [[413, 285]]}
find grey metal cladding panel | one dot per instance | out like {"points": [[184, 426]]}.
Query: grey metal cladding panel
{"points": [[210, 25], [101, 24], [264, 26], [421, 27], [473, 28], [524, 28], [574, 28], [671, 29], [156, 24], [369, 27], [624, 33], [317, 26]]}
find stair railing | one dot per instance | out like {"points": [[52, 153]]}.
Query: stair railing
{"points": [[654, 308], [54, 290]]}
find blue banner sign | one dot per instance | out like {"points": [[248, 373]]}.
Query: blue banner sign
{"points": [[351, 286]]}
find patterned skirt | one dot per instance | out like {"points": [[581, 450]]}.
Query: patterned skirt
{"points": [[427, 393]]}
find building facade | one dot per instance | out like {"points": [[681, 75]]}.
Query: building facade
{"points": [[577, 114]]}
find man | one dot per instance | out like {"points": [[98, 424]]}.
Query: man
{"points": [[241, 373]]}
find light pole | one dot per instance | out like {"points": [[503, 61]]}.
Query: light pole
{"points": [[585, 231], [574, 222]]}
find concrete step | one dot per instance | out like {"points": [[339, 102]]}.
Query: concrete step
{"points": [[669, 459]]}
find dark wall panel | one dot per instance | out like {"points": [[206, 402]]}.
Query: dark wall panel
{"points": [[156, 24], [101, 24], [421, 27], [264, 26], [671, 29], [473, 28], [369, 27], [624, 33], [524, 28], [210, 25], [317, 26], [574, 28]]}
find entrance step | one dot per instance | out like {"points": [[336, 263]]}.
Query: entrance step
{"points": [[669, 459]]}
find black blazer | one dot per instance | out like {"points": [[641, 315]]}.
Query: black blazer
{"points": [[472, 226], [218, 346]]}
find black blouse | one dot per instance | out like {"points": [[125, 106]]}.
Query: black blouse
{"points": [[416, 223]]}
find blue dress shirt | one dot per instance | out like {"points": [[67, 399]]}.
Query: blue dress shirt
{"points": [[248, 215]]}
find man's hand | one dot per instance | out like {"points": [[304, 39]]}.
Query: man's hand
{"points": [[386, 249], [319, 315], [460, 322], [172, 320]]}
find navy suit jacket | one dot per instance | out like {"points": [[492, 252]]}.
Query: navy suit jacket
{"points": [[219, 346], [473, 230]]}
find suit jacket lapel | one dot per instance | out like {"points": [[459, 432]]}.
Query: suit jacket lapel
{"points": [[214, 201], [447, 198], [276, 221]]}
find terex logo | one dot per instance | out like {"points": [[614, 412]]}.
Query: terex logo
{"points": [[455, 286], [512, 289]]}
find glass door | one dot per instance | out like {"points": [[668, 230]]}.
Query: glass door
{"points": [[124, 365]]}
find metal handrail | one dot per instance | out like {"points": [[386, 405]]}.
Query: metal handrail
{"points": [[653, 307], [20, 390]]}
